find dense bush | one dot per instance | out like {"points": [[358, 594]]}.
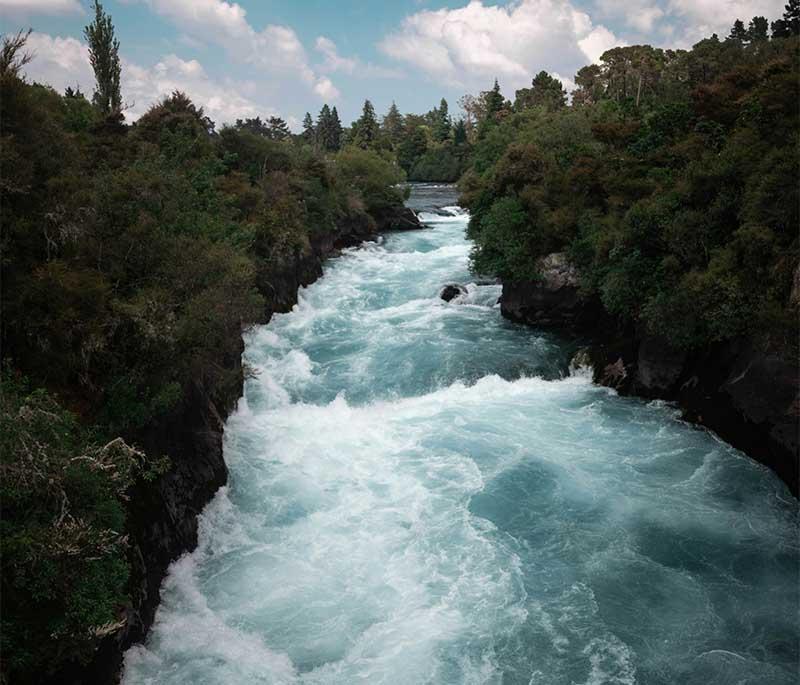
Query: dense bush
{"points": [[64, 569], [130, 264], [671, 181]]}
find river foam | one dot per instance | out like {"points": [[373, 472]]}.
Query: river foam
{"points": [[421, 493]]}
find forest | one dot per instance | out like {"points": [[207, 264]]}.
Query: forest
{"points": [[669, 180], [131, 250]]}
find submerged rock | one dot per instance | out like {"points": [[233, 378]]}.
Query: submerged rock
{"points": [[452, 291]]}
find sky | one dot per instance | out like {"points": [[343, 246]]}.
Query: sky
{"points": [[286, 57]]}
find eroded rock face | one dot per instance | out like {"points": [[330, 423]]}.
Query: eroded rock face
{"points": [[658, 365], [452, 291], [397, 219], [554, 301], [557, 272]]}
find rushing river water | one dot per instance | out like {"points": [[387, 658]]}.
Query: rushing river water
{"points": [[420, 493]]}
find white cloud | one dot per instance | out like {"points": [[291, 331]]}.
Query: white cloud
{"points": [[63, 62], [641, 15], [709, 16], [333, 60], [275, 48], [597, 42], [223, 102], [325, 89], [471, 45], [41, 7], [352, 66]]}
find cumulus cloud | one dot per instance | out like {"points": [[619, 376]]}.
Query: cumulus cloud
{"points": [[470, 45], [275, 48], [597, 42], [63, 62], [40, 7]]}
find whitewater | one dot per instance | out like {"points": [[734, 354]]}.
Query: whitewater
{"points": [[422, 492]]}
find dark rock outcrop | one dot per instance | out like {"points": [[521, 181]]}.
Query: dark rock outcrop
{"points": [[397, 219], [554, 301], [745, 391], [451, 291]]}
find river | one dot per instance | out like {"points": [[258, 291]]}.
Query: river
{"points": [[420, 492]]}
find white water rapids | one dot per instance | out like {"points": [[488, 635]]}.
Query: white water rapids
{"points": [[420, 493]]}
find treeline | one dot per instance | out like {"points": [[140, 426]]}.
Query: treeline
{"points": [[428, 147], [670, 181], [132, 256]]}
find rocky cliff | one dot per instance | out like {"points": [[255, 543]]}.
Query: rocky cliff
{"points": [[745, 390], [162, 517]]}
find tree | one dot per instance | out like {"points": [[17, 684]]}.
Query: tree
{"points": [[738, 32], [545, 91], [758, 30], [278, 129], [412, 147], [308, 128], [254, 126], [393, 125], [104, 58], [474, 113], [590, 85], [443, 125], [335, 131], [789, 25], [324, 127], [12, 58], [329, 129], [366, 128], [460, 132], [494, 102]]}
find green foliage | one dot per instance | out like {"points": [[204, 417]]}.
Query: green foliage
{"points": [[366, 129], [671, 182], [132, 259], [104, 58], [545, 91], [375, 178], [62, 494]]}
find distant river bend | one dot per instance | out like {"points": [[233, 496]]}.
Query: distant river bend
{"points": [[420, 493]]}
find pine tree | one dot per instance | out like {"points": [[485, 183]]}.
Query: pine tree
{"points": [[443, 126], [494, 103], [336, 131], [393, 125], [308, 128], [324, 127], [104, 58], [366, 128], [460, 132]]}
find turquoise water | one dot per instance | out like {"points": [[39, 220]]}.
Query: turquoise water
{"points": [[421, 493]]}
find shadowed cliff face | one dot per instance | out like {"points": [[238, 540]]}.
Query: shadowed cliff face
{"points": [[745, 392]]}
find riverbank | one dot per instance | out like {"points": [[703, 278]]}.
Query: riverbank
{"points": [[162, 514], [744, 390]]}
